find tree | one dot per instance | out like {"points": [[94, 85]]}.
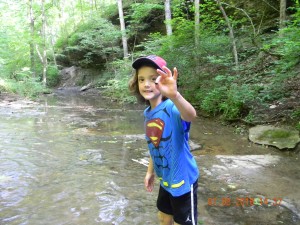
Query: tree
{"points": [[282, 18], [168, 17], [31, 41], [197, 23], [231, 33], [44, 38], [197, 33], [123, 29]]}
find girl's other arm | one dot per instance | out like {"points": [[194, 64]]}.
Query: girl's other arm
{"points": [[149, 178]]}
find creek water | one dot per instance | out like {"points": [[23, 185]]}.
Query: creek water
{"points": [[78, 159]]}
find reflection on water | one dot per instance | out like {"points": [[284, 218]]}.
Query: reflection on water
{"points": [[72, 159]]}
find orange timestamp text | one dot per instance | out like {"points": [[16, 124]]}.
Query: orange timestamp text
{"points": [[245, 201]]}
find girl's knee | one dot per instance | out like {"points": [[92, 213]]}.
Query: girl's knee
{"points": [[165, 219]]}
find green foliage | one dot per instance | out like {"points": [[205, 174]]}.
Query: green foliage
{"points": [[296, 117], [298, 126], [22, 74], [227, 98], [28, 87], [61, 42], [117, 76], [95, 39], [213, 99], [296, 114], [152, 44], [139, 14], [216, 49], [52, 76], [14, 49], [235, 101], [118, 90], [140, 11], [273, 91], [211, 17], [110, 11], [287, 45], [15, 55]]}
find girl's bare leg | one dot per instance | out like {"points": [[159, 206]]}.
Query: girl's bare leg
{"points": [[165, 219]]}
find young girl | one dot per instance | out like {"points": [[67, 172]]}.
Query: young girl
{"points": [[167, 124]]}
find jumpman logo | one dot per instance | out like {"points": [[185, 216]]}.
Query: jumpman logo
{"points": [[188, 219]]}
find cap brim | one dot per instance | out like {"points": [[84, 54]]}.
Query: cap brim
{"points": [[144, 61]]}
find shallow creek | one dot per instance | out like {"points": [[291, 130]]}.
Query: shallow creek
{"points": [[78, 159]]}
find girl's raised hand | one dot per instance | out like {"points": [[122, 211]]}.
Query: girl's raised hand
{"points": [[167, 82]]}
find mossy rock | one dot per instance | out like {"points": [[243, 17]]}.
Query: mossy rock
{"points": [[280, 137]]}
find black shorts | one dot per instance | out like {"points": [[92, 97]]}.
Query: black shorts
{"points": [[183, 208]]}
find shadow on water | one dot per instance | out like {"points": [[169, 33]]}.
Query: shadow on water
{"points": [[73, 159]]}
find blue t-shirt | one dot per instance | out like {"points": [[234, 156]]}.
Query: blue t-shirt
{"points": [[167, 136]]}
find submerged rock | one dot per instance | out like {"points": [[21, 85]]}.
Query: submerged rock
{"points": [[279, 137]]}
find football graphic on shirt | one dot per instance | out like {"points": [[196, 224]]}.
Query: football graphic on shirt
{"points": [[154, 131]]}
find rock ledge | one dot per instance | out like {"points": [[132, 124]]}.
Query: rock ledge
{"points": [[280, 137]]}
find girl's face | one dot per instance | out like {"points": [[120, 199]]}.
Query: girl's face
{"points": [[147, 87]]}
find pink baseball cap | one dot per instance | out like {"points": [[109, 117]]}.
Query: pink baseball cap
{"points": [[152, 60]]}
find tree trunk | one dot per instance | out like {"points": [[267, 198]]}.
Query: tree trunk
{"points": [[231, 34], [168, 17], [52, 42], [197, 24], [95, 3], [81, 10], [31, 42], [282, 19], [197, 33], [123, 29], [44, 56]]}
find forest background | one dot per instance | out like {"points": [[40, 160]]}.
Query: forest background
{"points": [[237, 60]]}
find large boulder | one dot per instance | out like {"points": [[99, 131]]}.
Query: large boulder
{"points": [[280, 137], [76, 76]]}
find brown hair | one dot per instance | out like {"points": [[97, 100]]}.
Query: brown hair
{"points": [[133, 86]]}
